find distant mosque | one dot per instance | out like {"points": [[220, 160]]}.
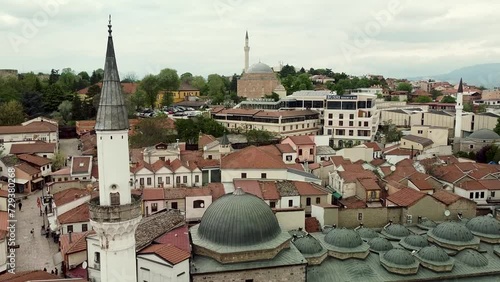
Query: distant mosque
{"points": [[258, 80]]}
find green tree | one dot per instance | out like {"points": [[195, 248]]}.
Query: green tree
{"points": [[404, 86], [151, 131], [287, 70], [84, 75], [302, 70], [480, 108], [186, 77], [66, 109], [392, 134], [54, 76], [259, 136], [10, 89], [436, 93], [77, 108], [168, 80], [423, 99], [497, 127], [216, 86], [233, 87], [138, 99], [200, 83], [448, 99], [395, 98], [468, 107], [150, 86], [11, 113], [273, 96], [130, 77], [189, 129], [58, 161], [167, 99], [53, 96], [31, 102]]}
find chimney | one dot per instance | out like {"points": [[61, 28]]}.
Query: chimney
{"points": [[69, 234]]}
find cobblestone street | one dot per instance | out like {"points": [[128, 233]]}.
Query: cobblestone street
{"points": [[35, 252]]}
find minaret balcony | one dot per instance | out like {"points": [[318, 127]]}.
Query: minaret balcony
{"points": [[115, 213]]}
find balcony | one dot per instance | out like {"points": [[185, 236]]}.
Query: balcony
{"points": [[115, 213]]}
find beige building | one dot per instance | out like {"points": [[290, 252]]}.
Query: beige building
{"points": [[259, 80], [412, 142], [438, 135], [282, 123]]}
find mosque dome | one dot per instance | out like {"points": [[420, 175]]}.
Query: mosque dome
{"points": [[472, 258], [239, 219], [396, 231], [343, 238], [484, 134], [487, 225], [433, 254], [414, 242], [452, 231], [308, 245], [399, 257], [427, 224], [380, 244], [297, 232], [367, 233], [327, 229], [259, 68]]}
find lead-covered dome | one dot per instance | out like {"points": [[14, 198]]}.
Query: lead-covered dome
{"points": [[399, 257], [343, 238], [239, 219], [308, 245], [484, 225], [472, 258], [484, 134], [380, 244], [259, 68], [396, 231], [414, 242], [452, 231], [427, 224], [367, 233], [433, 254]]}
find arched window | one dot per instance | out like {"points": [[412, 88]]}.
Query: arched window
{"points": [[198, 204], [115, 198]]}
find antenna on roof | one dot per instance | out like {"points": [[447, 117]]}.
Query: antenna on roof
{"points": [[393, 168]]}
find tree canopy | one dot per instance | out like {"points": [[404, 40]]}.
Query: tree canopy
{"points": [[404, 86], [11, 113], [448, 99]]}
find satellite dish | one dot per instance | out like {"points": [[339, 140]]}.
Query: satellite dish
{"points": [[84, 265], [447, 213], [393, 168]]}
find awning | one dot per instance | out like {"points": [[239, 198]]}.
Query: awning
{"points": [[337, 195], [21, 181], [37, 180]]}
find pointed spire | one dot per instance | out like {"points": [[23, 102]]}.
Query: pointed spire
{"points": [[246, 36], [112, 113], [460, 87]]}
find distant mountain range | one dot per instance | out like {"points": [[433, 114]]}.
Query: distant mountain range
{"points": [[487, 75]]}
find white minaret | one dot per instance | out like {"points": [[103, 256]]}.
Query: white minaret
{"points": [[458, 108], [247, 51], [115, 214]]}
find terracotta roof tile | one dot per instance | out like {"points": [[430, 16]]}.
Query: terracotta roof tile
{"points": [[490, 184], [249, 186], [178, 237], [4, 193], [252, 158], [425, 142], [401, 152], [309, 189], [406, 197], [369, 184], [449, 173], [69, 195], [33, 148], [217, 190], [28, 169], [31, 275], [446, 197], [140, 165], [312, 225], [302, 140], [78, 214], [339, 160], [377, 162], [355, 167], [153, 194], [205, 139], [466, 167], [152, 227], [269, 190], [81, 164], [271, 149], [34, 159], [352, 203], [168, 252], [78, 242], [198, 192], [350, 177], [373, 145], [471, 185], [420, 183], [35, 127], [4, 217], [175, 193], [296, 166], [285, 148]]}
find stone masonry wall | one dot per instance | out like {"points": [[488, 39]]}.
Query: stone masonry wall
{"points": [[296, 273]]}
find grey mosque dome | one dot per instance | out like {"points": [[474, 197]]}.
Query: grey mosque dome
{"points": [[327, 229], [414, 242], [395, 231], [484, 225], [343, 238], [380, 244], [367, 233], [239, 219], [433, 254], [399, 257], [452, 231], [427, 224], [259, 68], [308, 245], [484, 134], [472, 258]]}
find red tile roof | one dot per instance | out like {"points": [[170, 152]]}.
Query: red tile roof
{"points": [[78, 242], [35, 127], [302, 140], [34, 159], [490, 184], [153, 194], [205, 139], [377, 162], [406, 197], [446, 197], [249, 186], [285, 148], [401, 152], [309, 189], [175, 193], [31, 275], [350, 177], [339, 160], [81, 164], [252, 158], [78, 214], [127, 88], [420, 183], [450, 173], [217, 190], [375, 146], [69, 195], [28, 169], [269, 190], [312, 225], [198, 192], [178, 237], [168, 252], [369, 184], [33, 148], [4, 193], [352, 203], [296, 166], [356, 167], [471, 185]]}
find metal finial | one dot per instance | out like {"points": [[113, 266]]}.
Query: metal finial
{"points": [[109, 26]]}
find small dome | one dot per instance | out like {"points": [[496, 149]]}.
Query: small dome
{"points": [[367, 233], [433, 254], [427, 224], [239, 219], [327, 229], [396, 230], [472, 258], [343, 238], [415, 241], [260, 68], [399, 257], [308, 245], [484, 225], [297, 233], [484, 134], [380, 245], [452, 231]]}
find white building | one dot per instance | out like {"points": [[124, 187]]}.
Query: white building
{"points": [[39, 129], [165, 175]]}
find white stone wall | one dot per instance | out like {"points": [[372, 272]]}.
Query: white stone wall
{"points": [[153, 269]]}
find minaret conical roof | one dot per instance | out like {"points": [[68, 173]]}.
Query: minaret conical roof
{"points": [[112, 113], [460, 87]]}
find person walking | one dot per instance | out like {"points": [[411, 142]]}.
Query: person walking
{"points": [[20, 205], [45, 269], [32, 232], [56, 271]]}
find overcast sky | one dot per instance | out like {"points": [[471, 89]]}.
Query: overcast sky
{"points": [[395, 38]]}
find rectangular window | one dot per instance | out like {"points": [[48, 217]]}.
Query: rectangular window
{"points": [[70, 228], [318, 200], [85, 228], [263, 175], [311, 151], [177, 179], [97, 260], [160, 180], [420, 132], [477, 195], [184, 179], [360, 216], [300, 152], [351, 116], [243, 175], [167, 179], [154, 207], [196, 178], [272, 205], [351, 123], [341, 123], [482, 195], [366, 124], [162, 158], [471, 195], [330, 116], [141, 181], [308, 201], [288, 158], [330, 123], [148, 181], [351, 132], [173, 205], [341, 116], [492, 194], [290, 203]]}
